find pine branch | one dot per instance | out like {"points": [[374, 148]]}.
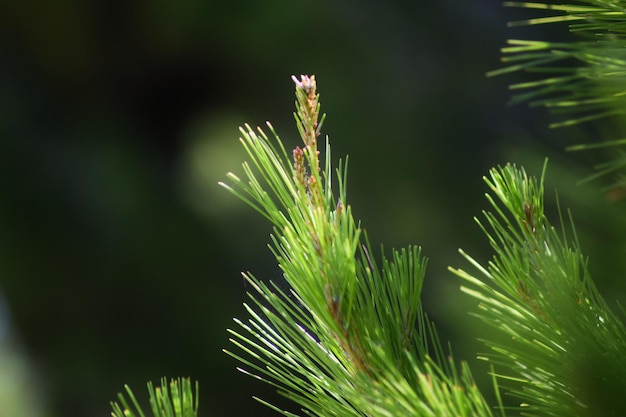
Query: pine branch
{"points": [[595, 83], [350, 337], [563, 348], [175, 400], [583, 80]]}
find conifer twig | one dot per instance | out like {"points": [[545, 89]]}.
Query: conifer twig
{"points": [[176, 399], [563, 350], [349, 338], [582, 80]]}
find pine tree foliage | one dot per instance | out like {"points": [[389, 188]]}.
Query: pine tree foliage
{"points": [[349, 338], [562, 350], [592, 78], [176, 399], [580, 80]]}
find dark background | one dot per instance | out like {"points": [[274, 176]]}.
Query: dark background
{"points": [[120, 256]]}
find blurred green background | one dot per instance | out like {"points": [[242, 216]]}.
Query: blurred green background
{"points": [[120, 256]]}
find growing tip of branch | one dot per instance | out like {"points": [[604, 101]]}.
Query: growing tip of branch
{"points": [[306, 83]]}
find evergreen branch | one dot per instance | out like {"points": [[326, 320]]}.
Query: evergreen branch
{"points": [[350, 337], [174, 400], [564, 348], [584, 79]]}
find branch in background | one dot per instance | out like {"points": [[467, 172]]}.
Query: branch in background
{"points": [[563, 348], [582, 80]]}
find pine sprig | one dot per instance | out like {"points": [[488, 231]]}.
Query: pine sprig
{"points": [[349, 338], [582, 80], [563, 348], [176, 399]]}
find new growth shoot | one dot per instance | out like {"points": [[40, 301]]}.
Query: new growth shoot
{"points": [[350, 337]]}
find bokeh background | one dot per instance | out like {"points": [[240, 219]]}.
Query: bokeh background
{"points": [[120, 256]]}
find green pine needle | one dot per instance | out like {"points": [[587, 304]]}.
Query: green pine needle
{"points": [[174, 400]]}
